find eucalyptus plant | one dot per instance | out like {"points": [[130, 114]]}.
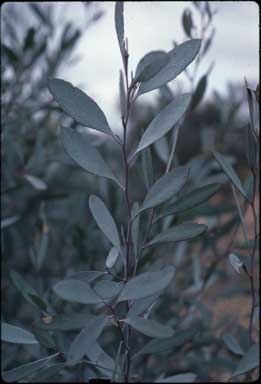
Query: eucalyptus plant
{"points": [[117, 302]]}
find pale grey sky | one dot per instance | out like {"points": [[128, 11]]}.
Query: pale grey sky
{"points": [[155, 25]]}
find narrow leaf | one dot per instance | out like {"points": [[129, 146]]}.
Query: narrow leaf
{"points": [[199, 92], [229, 171], [85, 339], [27, 291], [182, 378], [147, 284], [119, 24], [104, 220], [179, 58], [164, 121], [37, 183], [192, 199], [112, 257], [249, 361], [180, 232], [150, 65], [232, 344], [25, 370], [78, 105], [9, 221], [84, 154], [149, 327], [105, 364], [73, 321], [17, 335], [147, 167], [76, 291], [165, 187]]}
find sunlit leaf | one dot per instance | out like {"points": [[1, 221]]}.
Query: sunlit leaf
{"points": [[179, 58], [164, 121], [78, 105]]}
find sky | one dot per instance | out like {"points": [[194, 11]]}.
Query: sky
{"points": [[153, 26]]}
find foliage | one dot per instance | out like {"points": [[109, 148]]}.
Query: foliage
{"points": [[134, 261]]}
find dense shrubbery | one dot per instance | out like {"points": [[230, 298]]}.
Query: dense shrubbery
{"points": [[114, 266]]}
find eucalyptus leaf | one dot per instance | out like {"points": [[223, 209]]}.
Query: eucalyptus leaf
{"points": [[108, 289], [149, 327], [249, 361], [6, 222], [250, 146], [165, 187], [78, 105], [135, 228], [37, 183], [180, 232], [105, 364], [232, 344], [179, 58], [141, 305], [104, 220], [87, 276], [27, 291], [112, 257], [25, 370], [182, 378], [119, 24], [85, 339], [147, 284], [199, 92], [147, 167], [192, 199], [229, 171], [76, 291], [164, 121], [84, 154], [150, 65], [12, 334]]}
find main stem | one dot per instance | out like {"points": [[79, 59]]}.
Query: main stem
{"points": [[127, 199]]}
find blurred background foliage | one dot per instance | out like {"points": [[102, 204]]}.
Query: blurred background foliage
{"points": [[47, 232]]}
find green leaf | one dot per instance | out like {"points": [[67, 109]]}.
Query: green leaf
{"points": [[76, 291], [13, 334], [104, 220], [229, 171], [141, 305], [182, 378], [112, 257], [147, 167], [108, 289], [73, 321], [251, 150], [123, 96], [232, 344], [26, 370], [36, 182], [192, 199], [98, 356], [180, 232], [147, 284], [85, 339], [199, 92], [84, 154], [27, 291], [119, 24], [162, 149], [47, 371], [78, 105], [168, 345], [9, 221], [149, 327], [135, 229], [179, 58], [164, 121], [87, 276], [249, 361], [187, 21], [150, 65], [165, 187]]}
